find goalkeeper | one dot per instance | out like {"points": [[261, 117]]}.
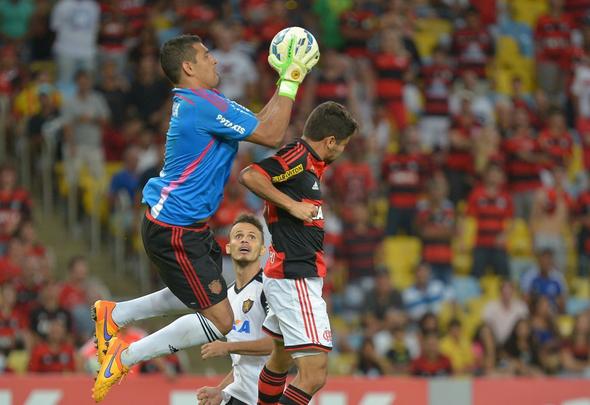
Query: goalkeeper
{"points": [[201, 144]]}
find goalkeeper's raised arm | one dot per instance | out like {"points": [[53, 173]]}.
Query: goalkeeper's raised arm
{"points": [[293, 53]]}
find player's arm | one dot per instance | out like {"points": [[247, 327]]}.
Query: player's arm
{"points": [[273, 121], [260, 347], [260, 183], [212, 395]]}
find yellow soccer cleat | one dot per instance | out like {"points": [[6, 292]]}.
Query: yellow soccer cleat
{"points": [[105, 327], [111, 370]]}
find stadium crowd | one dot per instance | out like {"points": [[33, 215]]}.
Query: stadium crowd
{"points": [[457, 225]]}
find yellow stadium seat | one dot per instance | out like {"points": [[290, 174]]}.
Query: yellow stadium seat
{"points": [[342, 363], [425, 42], [490, 286], [565, 324], [528, 11], [18, 361], [576, 166], [519, 239], [507, 53], [581, 288]]}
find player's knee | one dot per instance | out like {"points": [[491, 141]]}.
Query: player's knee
{"points": [[313, 378]]}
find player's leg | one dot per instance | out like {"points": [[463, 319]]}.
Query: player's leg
{"points": [[312, 371], [177, 253], [271, 382]]}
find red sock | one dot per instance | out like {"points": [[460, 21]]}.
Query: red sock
{"points": [[270, 387], [295, 396]]}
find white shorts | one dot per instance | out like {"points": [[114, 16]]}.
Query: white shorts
{"points": [[297, 314]]}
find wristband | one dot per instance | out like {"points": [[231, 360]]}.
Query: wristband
{"points": [[288, 88]]}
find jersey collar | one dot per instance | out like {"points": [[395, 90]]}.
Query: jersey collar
{"points": [[257, 277], [310, 149]]}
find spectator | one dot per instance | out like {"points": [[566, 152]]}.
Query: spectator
{"points": [[524, 160], [553, 49], [583, 211], [396, 343], [239, 74], [38, 124], [12, 261], [76, 24], [28, 103], [457, 348], [85, 116], [546, 280], [520, 352], [503, 313], [580, 90], [555, 140], [550, 216], [352, 180], [484, 351], [575, 352], [333, 81], [426, 295], [360, 251], [28, 236], [473, 44], [56, 354], [15, 202], [520, 32], [431, 362], [492, 209], [437, 79], [115, 90], [402, 174], [13, 324], [486, 150], [149, 150], [369, 363], [436, 228], [74, 295], [474, 96], [28, 286], [49, 310], [124, 183], [15, 16], [543, 327], [148, 93], [382, 299], [459, 164]]}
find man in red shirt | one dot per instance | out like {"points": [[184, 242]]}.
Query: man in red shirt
{"points": [[436, 227], [554, 49], [555, 140], [491, 207], [473, 44], [402, 174], [431, 362], [56, 355]]}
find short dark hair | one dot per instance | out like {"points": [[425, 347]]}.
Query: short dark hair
{"points": [[249, 219], [75, 260], [330, 119], [174, 52]]}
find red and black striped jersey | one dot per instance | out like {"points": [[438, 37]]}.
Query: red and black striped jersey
{"points": [[436, 250], [438, 79], [491, 212], [473, 48], [402, 173], [390, 70], [522, 175], [583, 211], [559, 147], [297, 246], [332, 89], [552, 38], [15, 205]]}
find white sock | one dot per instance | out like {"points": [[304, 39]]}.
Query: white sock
{"points": [[187, 331], [161, 302]]}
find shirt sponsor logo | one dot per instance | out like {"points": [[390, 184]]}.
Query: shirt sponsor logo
{"points": [[243, 328], [225, 122], [288, 174]]}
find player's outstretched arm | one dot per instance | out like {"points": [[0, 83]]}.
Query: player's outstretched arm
{"points": [[261, 185]]}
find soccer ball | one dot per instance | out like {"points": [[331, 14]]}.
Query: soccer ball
{"points": [[306, 45]]}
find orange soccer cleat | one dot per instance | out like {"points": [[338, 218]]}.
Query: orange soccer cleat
{"points": [[105, 327], [111, 370]]}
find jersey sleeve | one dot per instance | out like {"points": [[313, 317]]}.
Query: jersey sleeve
{"points": [[284, 165], [224, 118]]}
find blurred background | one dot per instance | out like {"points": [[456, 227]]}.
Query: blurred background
{"points": [[458, 222]]}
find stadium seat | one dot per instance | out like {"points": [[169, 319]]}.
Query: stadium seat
{"points": [[342, 363], [581, 288], [519, 239], [18, 361], [507, 51], [528, 11], [425, 42], [565, 324], [490, 285]]}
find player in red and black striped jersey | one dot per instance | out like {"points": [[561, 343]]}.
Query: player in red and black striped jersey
{"points": [[298, 321]]}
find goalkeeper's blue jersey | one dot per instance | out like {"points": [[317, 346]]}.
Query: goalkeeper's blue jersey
{"points": [[201, 144]]}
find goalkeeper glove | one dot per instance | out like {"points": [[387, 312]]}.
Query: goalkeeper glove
{"points": [[293, 69]]}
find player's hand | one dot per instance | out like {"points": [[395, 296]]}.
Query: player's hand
{"points": [[209, 396], [303, 211], [214, 349]]}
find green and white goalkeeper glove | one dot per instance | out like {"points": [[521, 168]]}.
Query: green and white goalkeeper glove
{"points": [[296, 64]]}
